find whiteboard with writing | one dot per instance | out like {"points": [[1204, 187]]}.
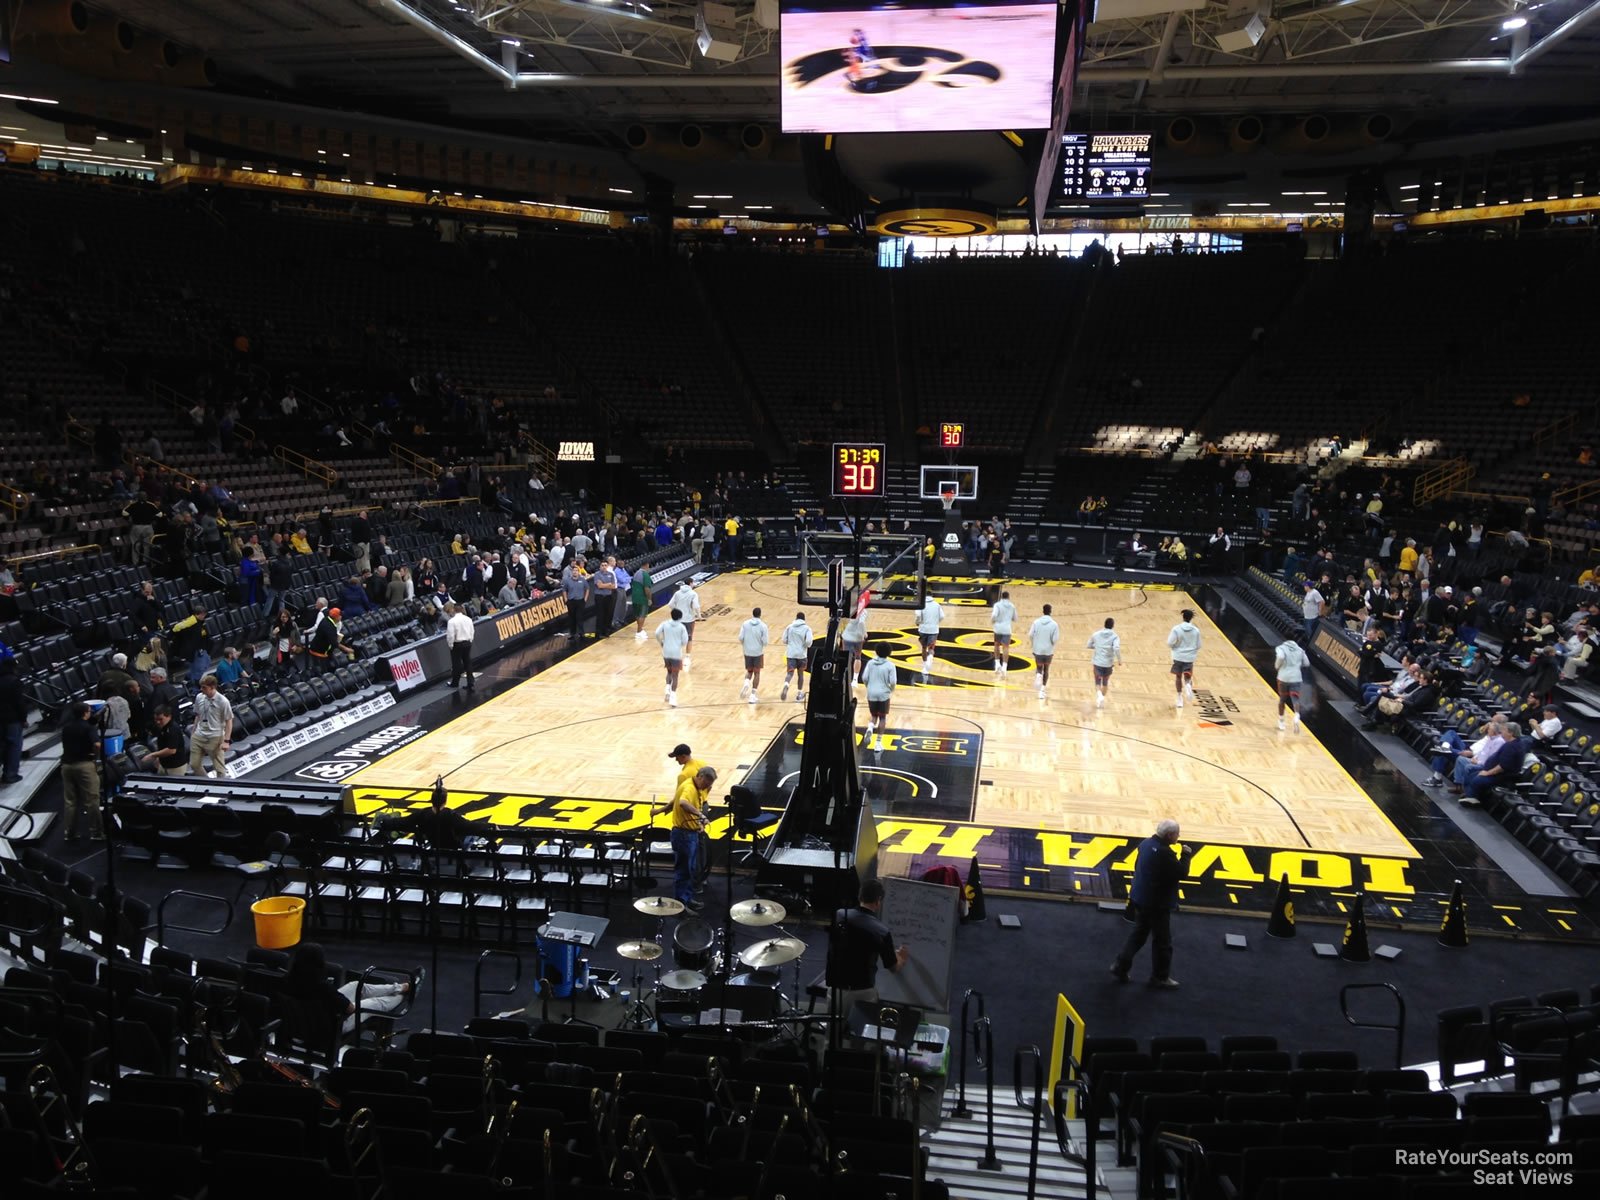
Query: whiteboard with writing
{"points": [[922, 917]]}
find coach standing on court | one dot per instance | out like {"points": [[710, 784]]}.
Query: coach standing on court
{"points": [[605, 595], [458, 635], [575, 587], [1153, 898]]}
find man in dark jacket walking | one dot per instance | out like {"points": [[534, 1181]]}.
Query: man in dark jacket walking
{"points": [[1153, 897]]}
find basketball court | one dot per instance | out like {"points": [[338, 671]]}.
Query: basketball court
{"points": [[1047, 795], [586, 740]]}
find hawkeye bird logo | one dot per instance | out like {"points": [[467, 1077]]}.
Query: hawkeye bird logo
{"points": [[890, 68]]}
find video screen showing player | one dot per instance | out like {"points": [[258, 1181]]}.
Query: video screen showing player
{"points": [[855, 68]]}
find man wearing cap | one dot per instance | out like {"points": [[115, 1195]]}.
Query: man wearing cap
{"points": [[688, 767], [325, 639], [688, 809], [458, 636]]}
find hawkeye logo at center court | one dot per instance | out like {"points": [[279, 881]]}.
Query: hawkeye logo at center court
{"points": [[1215, 710]]}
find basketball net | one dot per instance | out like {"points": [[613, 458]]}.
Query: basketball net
{"points": [[947, 497]]}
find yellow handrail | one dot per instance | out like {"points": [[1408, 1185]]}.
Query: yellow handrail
{"points": [[309, 467], [13, 499], [1557, 428], [23, 560], [1442, 480], [1576, 493], [134, 459], [417, 464]]}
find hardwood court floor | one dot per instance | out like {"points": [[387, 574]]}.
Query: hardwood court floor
{"points": [[594, 725]]}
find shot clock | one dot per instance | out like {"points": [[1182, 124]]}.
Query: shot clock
{"points": [[858, 469]]}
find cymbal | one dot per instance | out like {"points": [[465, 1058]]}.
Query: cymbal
{"points": [[640, 951], [683, 981], [659, 906], [773, 952], [758, 912]]}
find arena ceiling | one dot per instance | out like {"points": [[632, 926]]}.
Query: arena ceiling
{"points": [[594, 72]]}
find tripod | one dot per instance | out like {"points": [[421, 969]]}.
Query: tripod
{"points": [[640, 1015]]}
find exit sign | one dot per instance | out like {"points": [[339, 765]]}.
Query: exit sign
{"points": [[952, 434]]}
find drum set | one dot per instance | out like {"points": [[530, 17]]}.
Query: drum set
{"points": [[699, 958]]}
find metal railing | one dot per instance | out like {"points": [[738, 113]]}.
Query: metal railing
{"points": [[134, 459], [961, 1109], [1558, 428], [1398, 1028], [22, 560], [1575, 494], [310, 467], [417, 464], [479, 991], [1079, 1087], [16, 501], [162, 924], [983, 1051], [1447, 477], [1034, 1104]]}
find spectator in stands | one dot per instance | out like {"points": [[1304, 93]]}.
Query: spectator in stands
{"points": [[326, 642], [13, 719], [287, 640], [1450, 748], [161, 691], [361, 541], [80, 772], [250, 591], [142, 515], [299, 542], [400, 586], [1404, 680], [1547, 729], [1219, 546], [353, 597], [146, 615], [380, 552], [307, 981], [115, 679], [230, 667], [1420, 700], [1502, 769], [1544, 668], [1312, 608], [377, 588]]}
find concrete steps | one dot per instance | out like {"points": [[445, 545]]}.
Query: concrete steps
{"points": [[957, 1146]]}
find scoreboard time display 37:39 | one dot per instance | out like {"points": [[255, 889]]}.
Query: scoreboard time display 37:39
{"points": [[858, 469]]}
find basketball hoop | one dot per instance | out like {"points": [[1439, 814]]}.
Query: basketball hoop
{"points": [[947, 497]]}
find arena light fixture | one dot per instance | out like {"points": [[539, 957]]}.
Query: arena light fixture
{"points": [[29, 99], [1513, 23]]}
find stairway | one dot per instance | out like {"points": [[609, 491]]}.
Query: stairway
{"points": [[1030, 495], [956, 1147], [1132, 510]]}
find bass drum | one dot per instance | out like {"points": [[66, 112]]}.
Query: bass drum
{"points": [[691, 944]]}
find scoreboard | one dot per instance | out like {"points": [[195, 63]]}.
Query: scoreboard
{"points": [[858, 469], [1104, 166]]}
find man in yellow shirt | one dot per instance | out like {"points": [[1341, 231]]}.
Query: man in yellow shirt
{"points": [[1408, 557], [688, 808], [299, 542], [730, 547]]}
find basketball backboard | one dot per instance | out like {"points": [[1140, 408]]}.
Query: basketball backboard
{"points": [[935, 479]]}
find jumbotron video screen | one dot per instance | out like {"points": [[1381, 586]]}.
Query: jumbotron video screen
{"points": [[854, 67]]}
